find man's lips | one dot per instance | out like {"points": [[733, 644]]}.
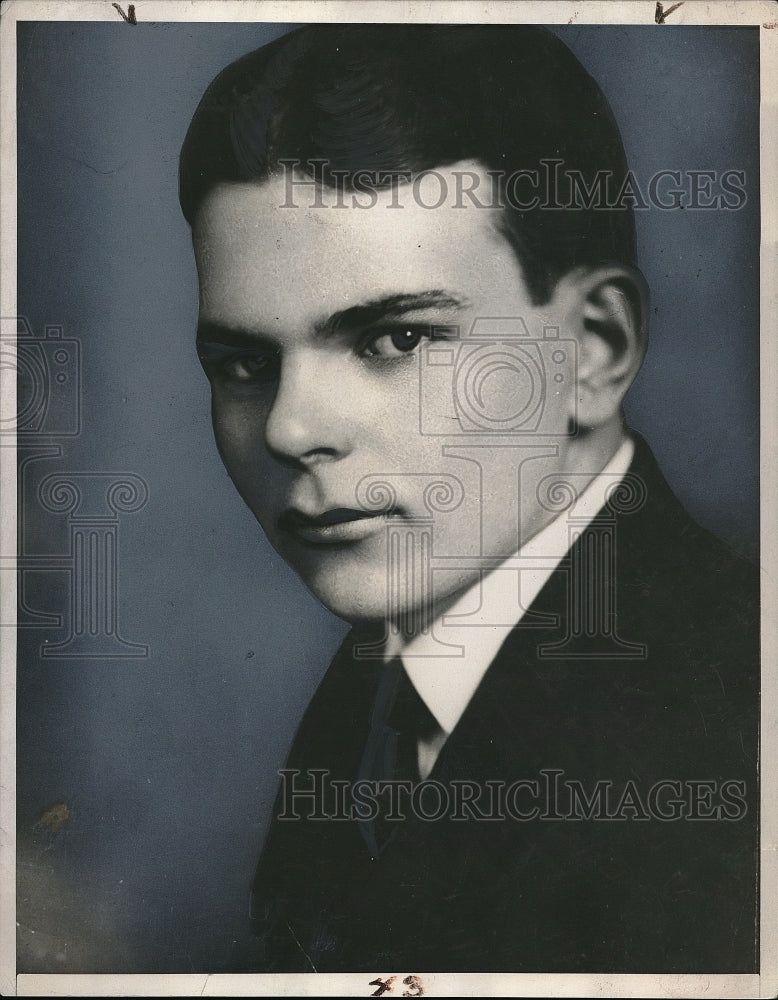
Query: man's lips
{"points": [[339, 524]]}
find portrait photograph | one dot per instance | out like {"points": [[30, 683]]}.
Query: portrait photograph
{"points": [[388, 453]]}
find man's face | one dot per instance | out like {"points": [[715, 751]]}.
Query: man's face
{"points": [[321, 330]]}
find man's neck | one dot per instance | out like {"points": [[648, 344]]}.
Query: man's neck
{"points": [[547, 542]]}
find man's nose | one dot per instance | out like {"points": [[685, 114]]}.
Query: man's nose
{"points": [[306, 423]]}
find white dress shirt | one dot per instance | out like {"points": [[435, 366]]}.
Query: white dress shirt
{"points": [[479, 622]]}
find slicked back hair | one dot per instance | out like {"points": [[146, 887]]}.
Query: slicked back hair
{"points": [[411, 98]]}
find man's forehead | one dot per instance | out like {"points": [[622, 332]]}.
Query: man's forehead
{"points": [[290, 200], [253, 250]]}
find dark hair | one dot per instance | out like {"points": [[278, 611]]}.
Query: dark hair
{"points": [[391, 98]]}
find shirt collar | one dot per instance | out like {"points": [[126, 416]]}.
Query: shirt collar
{"points": [[481, 619]]}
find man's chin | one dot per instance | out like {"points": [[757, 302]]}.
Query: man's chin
{"points": [[359, 609], [362, 596], [355, 583], [361, 603], [351, 582]]}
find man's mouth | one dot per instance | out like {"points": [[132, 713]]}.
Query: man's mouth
{"points": [[331, 527]]}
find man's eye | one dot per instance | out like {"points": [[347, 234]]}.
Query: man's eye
{"points": [[395, 341], [240, 366], [251, 368]]}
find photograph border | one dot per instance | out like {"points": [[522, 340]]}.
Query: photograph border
{"points": [[691, 12]]}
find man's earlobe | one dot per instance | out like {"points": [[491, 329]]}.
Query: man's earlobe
{"points": [[611, 326]]}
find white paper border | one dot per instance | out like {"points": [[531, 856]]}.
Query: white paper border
{"points": [[763, 13]]}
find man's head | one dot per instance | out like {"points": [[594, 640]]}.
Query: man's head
{"points": [[349, 346], [408, 98]]}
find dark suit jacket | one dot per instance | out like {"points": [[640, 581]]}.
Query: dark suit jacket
{"points": [[633, 893]]}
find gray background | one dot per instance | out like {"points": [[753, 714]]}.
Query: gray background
{"points": [[167, 764]]}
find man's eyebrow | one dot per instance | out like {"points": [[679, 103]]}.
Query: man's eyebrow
{"points": [[388, 307], [220, 333], [365, 314]]}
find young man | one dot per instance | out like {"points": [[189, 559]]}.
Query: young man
{"points": [[536, 750]]}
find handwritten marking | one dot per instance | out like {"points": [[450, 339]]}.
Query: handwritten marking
{"points": [[414, 984], [129, 17], [383, 987], [661, 14]]}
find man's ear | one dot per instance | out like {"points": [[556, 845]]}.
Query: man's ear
{"points": [[607, 312]]}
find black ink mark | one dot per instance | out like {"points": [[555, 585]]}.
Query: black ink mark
{"points": [[383, 987], [414, 984], [129, 17], [660, 15]]}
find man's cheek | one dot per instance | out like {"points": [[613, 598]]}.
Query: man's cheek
{"points": [[238, 430], [241, 445]]}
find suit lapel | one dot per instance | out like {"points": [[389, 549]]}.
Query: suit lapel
{"points": [[530, 695]]}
